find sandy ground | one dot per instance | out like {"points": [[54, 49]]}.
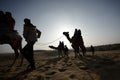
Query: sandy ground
{"points": [[104, 65]]}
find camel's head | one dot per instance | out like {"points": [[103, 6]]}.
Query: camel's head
{"points": [[66, 33]]}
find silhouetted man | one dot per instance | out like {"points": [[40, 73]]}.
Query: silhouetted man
{"points": [[30, 33], [10, 21], [4, 28], [93, 50]]}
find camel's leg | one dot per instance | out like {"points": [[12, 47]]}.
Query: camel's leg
{"points": [[66, 54], [83, 50], [20, 50], [62, 54], [75, 50], [93, 53], [16, 56], [76, 54], [58, 53], [21, 58]]}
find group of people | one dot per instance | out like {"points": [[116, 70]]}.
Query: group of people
{"points": [[30, 33]]}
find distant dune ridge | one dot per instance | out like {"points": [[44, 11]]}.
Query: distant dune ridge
{"points": [[106, 47]]}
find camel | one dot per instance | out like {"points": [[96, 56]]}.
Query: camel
{"points": [[59, 48], [62, 51], [56, 48], [15, 41], [76, 43]]}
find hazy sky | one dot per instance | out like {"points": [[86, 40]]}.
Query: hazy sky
{"points": [[99, 20]]}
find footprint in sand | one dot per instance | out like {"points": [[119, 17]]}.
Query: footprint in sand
{"points": [[51, 73], [47, 67], [72, 76], [62, 70]]}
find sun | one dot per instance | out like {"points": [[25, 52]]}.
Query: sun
{"points": [[62, 29]]}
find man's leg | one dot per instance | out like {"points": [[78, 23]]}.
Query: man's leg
{"points": [[31, 58]]}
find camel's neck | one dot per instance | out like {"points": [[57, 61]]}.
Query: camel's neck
{"points": [[53, 47], [68, 37]]}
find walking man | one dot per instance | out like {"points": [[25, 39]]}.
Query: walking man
{"points": [[30, 33]]}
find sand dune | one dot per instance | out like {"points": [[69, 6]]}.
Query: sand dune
{"points": [[103, 66]]}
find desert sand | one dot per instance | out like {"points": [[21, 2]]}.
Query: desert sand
{"points": [[104, 65]]}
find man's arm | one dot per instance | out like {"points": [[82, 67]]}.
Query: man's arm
{"points": [[38, 33]]}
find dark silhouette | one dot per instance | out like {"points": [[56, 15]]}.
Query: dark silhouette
{"points": [[10, 21], [66, 51], [4, 28], [62, 51], [93, 50], [59, 48], [11, 38], [30, 34], [77, 41]]}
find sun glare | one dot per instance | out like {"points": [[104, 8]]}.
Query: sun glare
{"points": [[65, 28]]}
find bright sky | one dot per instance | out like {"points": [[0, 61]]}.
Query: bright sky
{"points": [[99, 20]]}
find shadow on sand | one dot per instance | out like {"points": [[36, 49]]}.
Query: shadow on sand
{"points": [[105, 67]]}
